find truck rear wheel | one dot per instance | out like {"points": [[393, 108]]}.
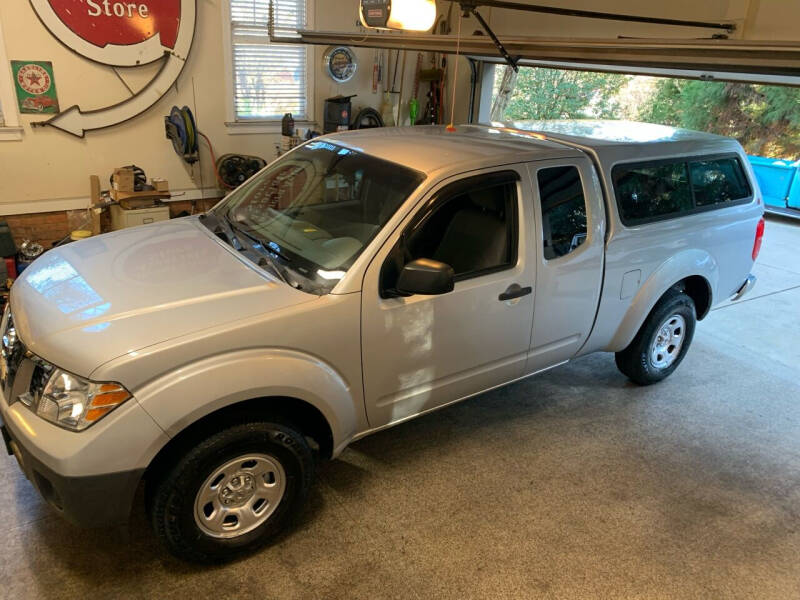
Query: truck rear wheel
{"points": [[662, 342], [232, 493]]}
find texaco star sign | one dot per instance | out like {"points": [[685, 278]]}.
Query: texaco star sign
{"points": [[121, 33], [34, 79]]}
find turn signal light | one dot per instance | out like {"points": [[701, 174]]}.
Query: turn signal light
{"points": [[107, 398], [110, 394]]}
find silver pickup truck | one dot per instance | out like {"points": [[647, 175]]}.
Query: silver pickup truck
{"points": [[361, 280]]}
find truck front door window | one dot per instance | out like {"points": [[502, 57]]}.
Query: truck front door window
{"points": [[471, 227]]}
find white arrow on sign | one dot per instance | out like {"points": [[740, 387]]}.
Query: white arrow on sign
{"points": [[76, 122]]}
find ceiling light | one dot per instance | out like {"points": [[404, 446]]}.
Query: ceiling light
{"points": [[409, 15]]}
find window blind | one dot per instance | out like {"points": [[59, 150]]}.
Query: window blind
{"points": [[270, 80]]}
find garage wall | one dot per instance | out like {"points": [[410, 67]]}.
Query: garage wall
{"points": [[48, 170]]}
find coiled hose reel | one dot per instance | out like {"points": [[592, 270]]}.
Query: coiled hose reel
{"points": [[182, 132]]}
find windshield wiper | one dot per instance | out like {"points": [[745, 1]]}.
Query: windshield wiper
{"points": [[224, 228], [266, 252], [267, 245]]}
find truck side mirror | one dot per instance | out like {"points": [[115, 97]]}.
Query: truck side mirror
{"points": [[427, 278]]}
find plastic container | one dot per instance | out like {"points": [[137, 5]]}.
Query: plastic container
{"points": [[779, 181], [80, 234], [287, 125], [337, 113]]}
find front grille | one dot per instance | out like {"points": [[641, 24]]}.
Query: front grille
{"points": [[23, 375], [12, 353], [41, 375]]}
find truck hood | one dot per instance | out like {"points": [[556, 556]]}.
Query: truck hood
{"points": [[83, 304]]}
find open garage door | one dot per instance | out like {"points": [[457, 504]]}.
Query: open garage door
{"points": [[713, 59], [743, 62]]}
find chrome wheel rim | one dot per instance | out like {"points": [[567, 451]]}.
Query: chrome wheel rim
{"points": [[668, 341], [239, 496]]}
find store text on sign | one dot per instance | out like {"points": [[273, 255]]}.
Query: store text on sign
{"points": [[116, 23], [117, 9]]}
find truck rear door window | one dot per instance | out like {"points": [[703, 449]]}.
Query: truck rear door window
{"points": [[660, 190], [563, 210], [718, 181]]}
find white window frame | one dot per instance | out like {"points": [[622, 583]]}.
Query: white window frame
{"points": [[12, 130], [251, 126]]}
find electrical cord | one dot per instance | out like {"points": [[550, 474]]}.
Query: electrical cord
{"points": [[214, 161], [452, 126]]}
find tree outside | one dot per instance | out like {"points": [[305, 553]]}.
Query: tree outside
{"points": [[765, 119]]}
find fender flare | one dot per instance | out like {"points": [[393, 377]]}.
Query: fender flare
{"points": [[183, 396], [687, 263]]}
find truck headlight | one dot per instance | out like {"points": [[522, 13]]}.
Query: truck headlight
{"points": [[76, 403]]}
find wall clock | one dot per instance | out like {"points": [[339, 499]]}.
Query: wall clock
{"points": [[340, 63]]}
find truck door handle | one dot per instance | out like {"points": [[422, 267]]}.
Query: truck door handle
{"points": [[514, 292]]}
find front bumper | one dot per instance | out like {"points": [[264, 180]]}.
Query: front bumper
{"points": [[91, 476], [93, 501]]}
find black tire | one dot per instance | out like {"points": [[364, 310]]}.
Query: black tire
{"points": [[635, 361], [171, 499]]}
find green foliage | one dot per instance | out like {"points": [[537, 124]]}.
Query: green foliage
{"points": [[765, 119], [690, 106], [557, 94]]}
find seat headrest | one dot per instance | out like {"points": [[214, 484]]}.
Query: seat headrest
{"points": [[487, 199]]}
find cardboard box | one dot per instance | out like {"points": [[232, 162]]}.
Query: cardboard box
{"points": [[123, 180], [95, 211], [161, 185]]}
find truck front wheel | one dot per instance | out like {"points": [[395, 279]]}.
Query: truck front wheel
{"points": [[233, 492], [662, 341]]}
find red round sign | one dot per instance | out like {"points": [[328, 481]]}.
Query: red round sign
{"points": [[120, 33], [120, 22]]}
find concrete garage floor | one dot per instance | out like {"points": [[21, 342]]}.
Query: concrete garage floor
{"points": [[575, 484]]}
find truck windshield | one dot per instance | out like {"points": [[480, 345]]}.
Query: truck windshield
{"points": [[317, 208]]}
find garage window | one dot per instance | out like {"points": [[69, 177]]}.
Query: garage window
{"points": [[269, 80], [9, 117]]}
